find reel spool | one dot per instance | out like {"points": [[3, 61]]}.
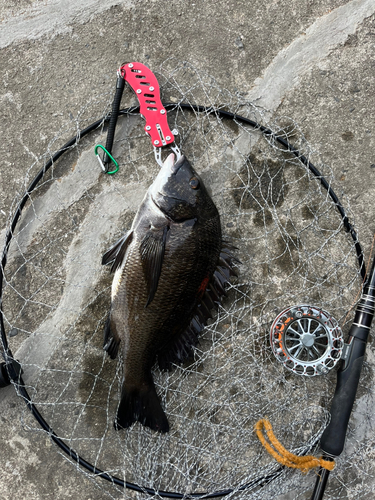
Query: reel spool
{"points": [[307, 340]]}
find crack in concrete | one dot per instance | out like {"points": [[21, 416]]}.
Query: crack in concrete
{"points": [[326, 33], [54, 17]]}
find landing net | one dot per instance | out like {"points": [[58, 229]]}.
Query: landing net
{"points": [[293, 250]]}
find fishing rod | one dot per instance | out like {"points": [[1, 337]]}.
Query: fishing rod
{"points": [[333, 439]]}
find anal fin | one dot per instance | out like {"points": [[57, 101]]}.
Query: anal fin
{"points": [[111, 339], [180, 348]]}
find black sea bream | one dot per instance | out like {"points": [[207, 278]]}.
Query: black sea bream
{"points": [[170, 270]]}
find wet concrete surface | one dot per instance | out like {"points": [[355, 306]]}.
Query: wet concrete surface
{"points": [[311, 61]]}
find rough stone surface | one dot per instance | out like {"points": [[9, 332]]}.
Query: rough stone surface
{"points": [[57, 55]]}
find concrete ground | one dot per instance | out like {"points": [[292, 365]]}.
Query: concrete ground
{"points": [[312, 61]]}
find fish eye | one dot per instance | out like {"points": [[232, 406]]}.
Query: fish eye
{"points": [[194, 183]]}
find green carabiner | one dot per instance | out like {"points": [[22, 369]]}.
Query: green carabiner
{"points": [[100, 160]]}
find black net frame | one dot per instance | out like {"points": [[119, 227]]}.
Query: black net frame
{"points": [[12, 367]]}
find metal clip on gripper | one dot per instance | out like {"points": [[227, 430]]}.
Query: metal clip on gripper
{"points": [[146, 87]]}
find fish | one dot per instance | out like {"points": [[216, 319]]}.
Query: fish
{"points": [[170, 270]]}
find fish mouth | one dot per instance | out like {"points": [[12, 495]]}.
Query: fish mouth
{"points": [[177, 165], [168, 171], [172, 166]]}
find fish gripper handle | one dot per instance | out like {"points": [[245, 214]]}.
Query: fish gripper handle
{"points": [[146, 87], [120, 84]]}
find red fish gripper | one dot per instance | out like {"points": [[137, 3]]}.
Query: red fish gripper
{"points": [[146, 87]]}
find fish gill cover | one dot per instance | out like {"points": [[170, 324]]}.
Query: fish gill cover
{"points": [[293, 250]]}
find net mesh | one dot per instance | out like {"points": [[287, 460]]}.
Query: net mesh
{"points": [[293, 250]]}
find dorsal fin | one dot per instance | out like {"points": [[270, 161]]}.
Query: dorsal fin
{"points": [[180, 348]]}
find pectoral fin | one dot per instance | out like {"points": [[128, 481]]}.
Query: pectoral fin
{"points": [[152, 255], [117, 252]]}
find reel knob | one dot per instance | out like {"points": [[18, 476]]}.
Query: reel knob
{"points": [[307, 340]]}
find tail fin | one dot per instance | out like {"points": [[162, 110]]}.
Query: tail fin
{"points": [[141, 405]]}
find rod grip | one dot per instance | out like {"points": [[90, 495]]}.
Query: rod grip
{"points": [[333, 439]]}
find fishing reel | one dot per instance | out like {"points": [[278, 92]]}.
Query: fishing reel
{"points": [[307, 340]]}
